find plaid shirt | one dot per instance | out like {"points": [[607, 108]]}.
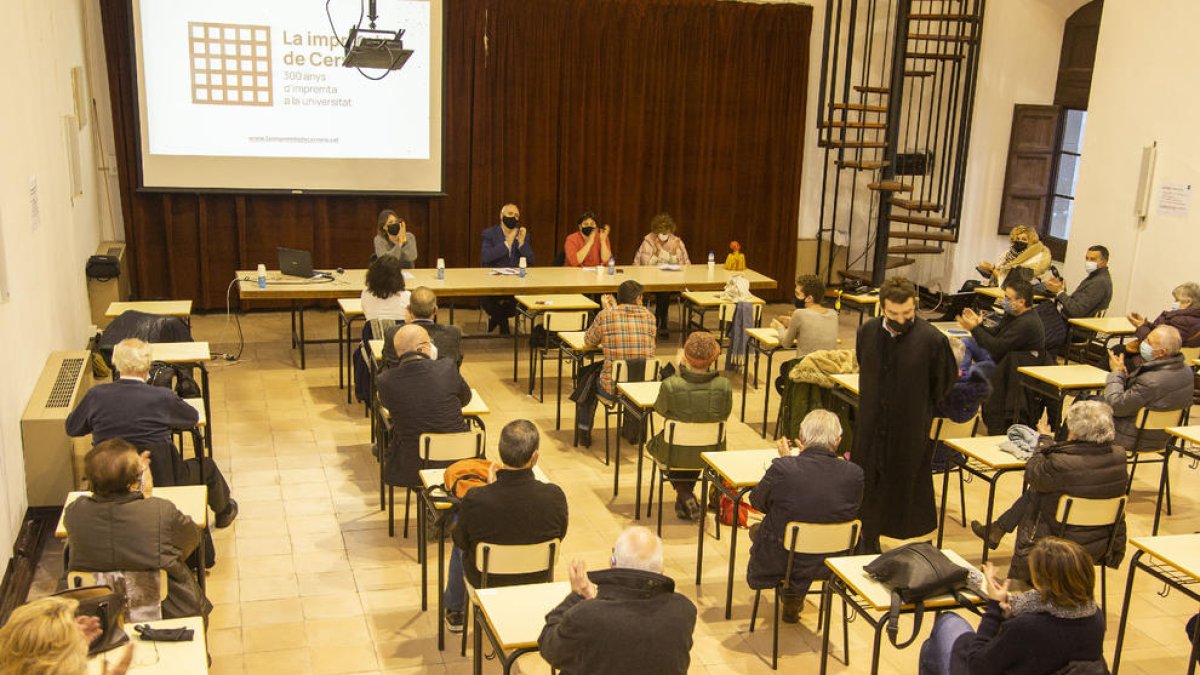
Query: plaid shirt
{"points": [[625, 332]]}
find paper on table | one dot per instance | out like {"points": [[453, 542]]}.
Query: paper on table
{"points": [[409, 275], [507, 271], [670, 268]]}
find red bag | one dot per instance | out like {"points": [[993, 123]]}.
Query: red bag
{"points": [[465, 474], [725, 513]]}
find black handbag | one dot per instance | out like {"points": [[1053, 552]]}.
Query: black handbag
{"points": [[102, 267], [915, 572], [108, 606]]}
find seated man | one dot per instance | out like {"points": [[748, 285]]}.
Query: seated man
{"points": [[145, 415], [504, 245], [422, 311], [1088, 465], [122, 528], [1091, 297], [515, 508], [624, 329], [1163, 382], [814, 486], [626, 619], [811, 327], [697, 393], [424, 396], [1015, 342]]}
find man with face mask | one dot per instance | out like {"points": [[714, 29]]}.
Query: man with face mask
{"points": [[906, 367], [1091, 297], [503, 246], [1163, 382]]}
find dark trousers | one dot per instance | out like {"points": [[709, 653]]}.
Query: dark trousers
{"points": [[662, 307], [218, 489], [684, 481], [499, 307], [1010, 519]]}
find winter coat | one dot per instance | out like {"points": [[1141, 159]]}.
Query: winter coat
{"points": [[637, 623], [1017, 341], [816, 367], [1186, 321], [690, 396], [816, 486], [1161, 384], [1091, 296], [969, 392], [132, 533], [423, 397], [1079, 469], [1036, 643], [447, 338]]}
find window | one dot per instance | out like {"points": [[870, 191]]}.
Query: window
{"points": [[1067, 173]]}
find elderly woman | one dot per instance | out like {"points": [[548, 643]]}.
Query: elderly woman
{"points": [[1054, 628], [662, 247], [1088, 465], [697, 393], [145, 416], [121, 527], [45, 637], [1183, 315], [1026, 253], [392, 239]]}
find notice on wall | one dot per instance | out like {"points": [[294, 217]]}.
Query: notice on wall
{"points": [[1174, 200]]}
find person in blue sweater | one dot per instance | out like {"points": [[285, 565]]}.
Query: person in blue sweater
{"points": [[503, 246], [1054, 628]]}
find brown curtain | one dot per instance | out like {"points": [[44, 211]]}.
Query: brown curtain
{"points": [[693, 107]]}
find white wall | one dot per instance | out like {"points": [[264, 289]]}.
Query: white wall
{"points": [[47, 309], [1143, 90]]}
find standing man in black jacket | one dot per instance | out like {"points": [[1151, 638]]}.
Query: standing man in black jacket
{"points": [[514, 508], [627, 619], [1016, 341], [1091, 297]]}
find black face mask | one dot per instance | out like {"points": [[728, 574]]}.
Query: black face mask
{"points": [[587, 231], [510, 221], [1019, 246], [798, 302], [393, 229], [899, 328]]}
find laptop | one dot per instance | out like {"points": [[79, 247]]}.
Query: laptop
{"points": [[295, 262]]}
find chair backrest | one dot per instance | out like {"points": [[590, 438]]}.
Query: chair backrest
{"points": [[1190, 354], [451, 447], [1157, 420], [943, 428], [725, 311], [517, 558], [80, 579], [1082, 512], [693, 433], [821, 538], [620, 370], [557, 322]]}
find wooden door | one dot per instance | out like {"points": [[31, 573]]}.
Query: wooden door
{"points": [[1029, 175]]}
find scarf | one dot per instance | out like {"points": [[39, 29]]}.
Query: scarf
{"points": [[1014, 259], [1031, 602]]}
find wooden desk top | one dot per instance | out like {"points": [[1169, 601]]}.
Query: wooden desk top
{"points": [[517, 614], [477, 281], [1068, 377], [847, 381], [180, 308], [998, 293], [575, 340], [159, 658], [198, 404], [850, 570], [768, 337], [180, 352], [862, 298], [476, 406], [547, 303], [1114, 325], [350, 306], [951, 329], [192, 500], [741, 468], [1190, 434], [986, 450], [641, 394], [1181, 551], [714, 298]]}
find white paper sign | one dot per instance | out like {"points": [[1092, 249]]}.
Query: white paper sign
{"points": [[1174, 200]]}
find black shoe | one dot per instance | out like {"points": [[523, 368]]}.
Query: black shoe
{"points": [[225, 518], [791, 612], [454, 621], [584, 438], [687, 507], [992, 535], [663, 333], [503, 324]]}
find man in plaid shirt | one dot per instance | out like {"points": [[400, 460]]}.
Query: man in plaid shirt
{"points": [[624, 328]]}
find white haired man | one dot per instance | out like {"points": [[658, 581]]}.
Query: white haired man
{"points": [[626, 619], [1162, 382], [814, 486], [145, 415]]}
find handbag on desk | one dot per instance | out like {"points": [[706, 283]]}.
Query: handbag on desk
{"points": [[108, 606], [915, 572]]}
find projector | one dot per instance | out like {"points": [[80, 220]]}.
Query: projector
{"points": [[375, 49]]}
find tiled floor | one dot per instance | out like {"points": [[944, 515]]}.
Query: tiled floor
{"points": [[307, 579]]}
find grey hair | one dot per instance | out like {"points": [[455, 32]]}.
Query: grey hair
{"points": [[1188, 291], [1167, 338], [132, 355], [638, 548], [821, 427], [1091, 421]]}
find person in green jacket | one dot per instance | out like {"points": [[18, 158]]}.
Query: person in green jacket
{"points": [[696, 394]]}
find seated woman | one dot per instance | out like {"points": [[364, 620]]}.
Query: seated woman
{"points": [[662, 247], [812, 327], [1040, 631], [697, 393], [590, 246], [1026, 253], [1183, 315], [45, 637], [384, 304], [393, 239]]}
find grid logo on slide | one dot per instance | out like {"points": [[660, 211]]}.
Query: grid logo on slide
{"points": [[231, 63]]}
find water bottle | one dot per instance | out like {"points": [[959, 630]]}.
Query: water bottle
{"points": [[262, 275], [612, 265], [521, 267], [441, 269], [712, 261]]}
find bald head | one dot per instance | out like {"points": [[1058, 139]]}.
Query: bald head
{"points": [[638, 548], [422, 304], [1166, 341], [411, 338]]}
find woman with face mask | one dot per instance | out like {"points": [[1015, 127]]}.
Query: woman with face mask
{"points": [[1026, 254], [590, 245], [392, 238], [1183, 315], [662, 247]]}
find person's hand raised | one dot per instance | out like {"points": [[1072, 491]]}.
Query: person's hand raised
{"points": [[521, 232], [607, 301], [783, 447], [994, 588], [1136, 319], [147, 476], [604, 232], [1116, 363], [969, 319], [1053, 284], [579, 580]]}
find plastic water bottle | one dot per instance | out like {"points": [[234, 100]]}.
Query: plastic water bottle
{"points": [[262, 275], [712, 261], [441, 269], [612, 265], [521, 266]]}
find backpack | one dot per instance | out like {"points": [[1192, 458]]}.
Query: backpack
{"points": [[465, 474], [176, 377]]}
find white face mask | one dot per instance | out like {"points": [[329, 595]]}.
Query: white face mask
{"points": [[1175, 306], [664, 236], [432, 352], [1090, 266]]}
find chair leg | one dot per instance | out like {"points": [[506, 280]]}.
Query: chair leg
{"points": [[1104, 591], [962, 497], [391, 511], [845, 633], [466, 626], [1166, 477], [754, 610], [407, 506], [605, 435], [650, 491], [661, 481], [775, 632], [1132, 469]]}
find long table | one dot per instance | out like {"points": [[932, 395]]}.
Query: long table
{"points": [[479, 281]]}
